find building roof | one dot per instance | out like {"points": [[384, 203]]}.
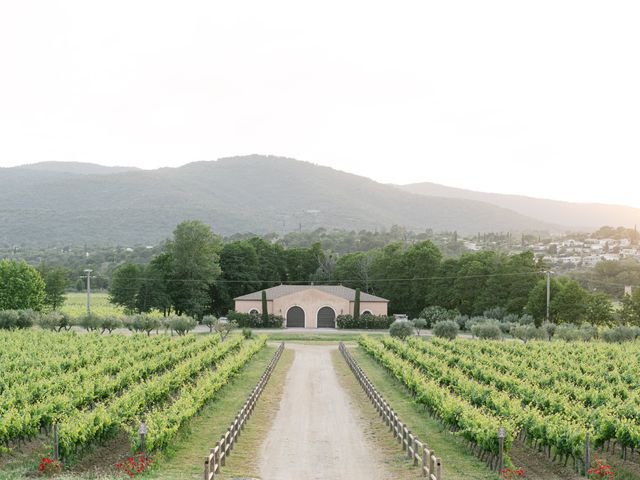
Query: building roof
{"points": [[337, 290]]}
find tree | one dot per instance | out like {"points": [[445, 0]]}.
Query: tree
{"points": [[21, 286], [600, 309], [421, 261], [570, 303], [125, 286], [55, 280], [195, 265], [419, 324], [154, 290], [631, 308], [537, 302], [401, 329], [356, 306], [265, 310], [240, 268]]}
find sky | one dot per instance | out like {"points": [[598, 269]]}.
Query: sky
{"points": [[536, 98]]}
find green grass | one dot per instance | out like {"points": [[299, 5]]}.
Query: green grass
{"points": [[186, 457], [76, 304], [458, 461]]}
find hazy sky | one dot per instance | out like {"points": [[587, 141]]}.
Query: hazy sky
{"points": [[539, 98]]}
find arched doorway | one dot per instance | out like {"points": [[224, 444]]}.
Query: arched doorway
{"points": [[326, 318], [295, 317]]}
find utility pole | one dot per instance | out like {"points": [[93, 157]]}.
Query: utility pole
{"points": [[548, 292], [88, 277]]}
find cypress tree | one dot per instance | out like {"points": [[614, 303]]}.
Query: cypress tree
{"points": [[356, 307], [265, 311]]}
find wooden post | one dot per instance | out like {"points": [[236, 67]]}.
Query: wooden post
{"points": [[425, 457], [502, 432], [415, 451], [410, 440], [223, 451], [56, 445], [142, 431], [207, 472], [432, 463], [587, 455], [438, 468], [216, 458]]}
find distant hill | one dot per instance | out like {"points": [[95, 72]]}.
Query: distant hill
{"points": [[75, 168], [586, 216], [55, 205]]}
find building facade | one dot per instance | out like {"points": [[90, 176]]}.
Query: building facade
{"points": [[310, 306]]}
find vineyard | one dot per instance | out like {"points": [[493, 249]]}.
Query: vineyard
{"points": [[91, 386], [550, 395]]}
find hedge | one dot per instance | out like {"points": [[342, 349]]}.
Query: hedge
{"points": [[366, 321], [248, 320]]}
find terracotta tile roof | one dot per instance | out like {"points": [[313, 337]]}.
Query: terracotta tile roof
{"points": [[337, 290]]}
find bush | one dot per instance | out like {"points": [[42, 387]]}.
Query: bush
{"points": [[496, 312], [56, 321], [366, 321], [435, 314], [401, 329], [568, 332], [550, 329], [526, 319], [528, 332], [571, 333], [91, 322], [619, 334], [419, 324], [446, 329], [510, 318], [247, 333], [12, 319], [210, 321], [143, 323], [474, 321], [181, 325], [255, 320], [462, 321], [110, 323], [487, 330], [588, 332], [505, 327], [8, 319]]}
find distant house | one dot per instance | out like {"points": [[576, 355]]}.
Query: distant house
{"points": [[310, 306]]}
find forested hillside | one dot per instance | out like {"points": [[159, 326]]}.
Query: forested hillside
{"points": [[244, 194]]}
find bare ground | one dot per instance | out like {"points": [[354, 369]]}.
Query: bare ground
{"points": [[317, 432]]}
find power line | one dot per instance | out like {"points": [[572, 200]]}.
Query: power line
{"points": [[449, 277]]}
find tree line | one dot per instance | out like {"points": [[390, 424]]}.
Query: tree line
{"points": [[197, 273]]}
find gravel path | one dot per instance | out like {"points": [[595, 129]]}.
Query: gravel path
{"points": [[316, 433]]}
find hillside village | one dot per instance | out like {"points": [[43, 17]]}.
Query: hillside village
{"points": [[567, 251]]}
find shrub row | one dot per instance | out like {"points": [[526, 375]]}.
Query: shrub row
{"points": [[58, 321], [366, 321], [14, 319], [255, 320]]}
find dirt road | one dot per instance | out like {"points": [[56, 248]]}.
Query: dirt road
{"points": [[316, 433]]}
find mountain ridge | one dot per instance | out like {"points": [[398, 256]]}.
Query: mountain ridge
{"points": [[573, 215], [254, 193]]}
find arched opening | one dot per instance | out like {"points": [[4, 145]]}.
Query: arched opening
{"points": [[366, 312], [295, 317], [326, 318], [253, 311]]}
